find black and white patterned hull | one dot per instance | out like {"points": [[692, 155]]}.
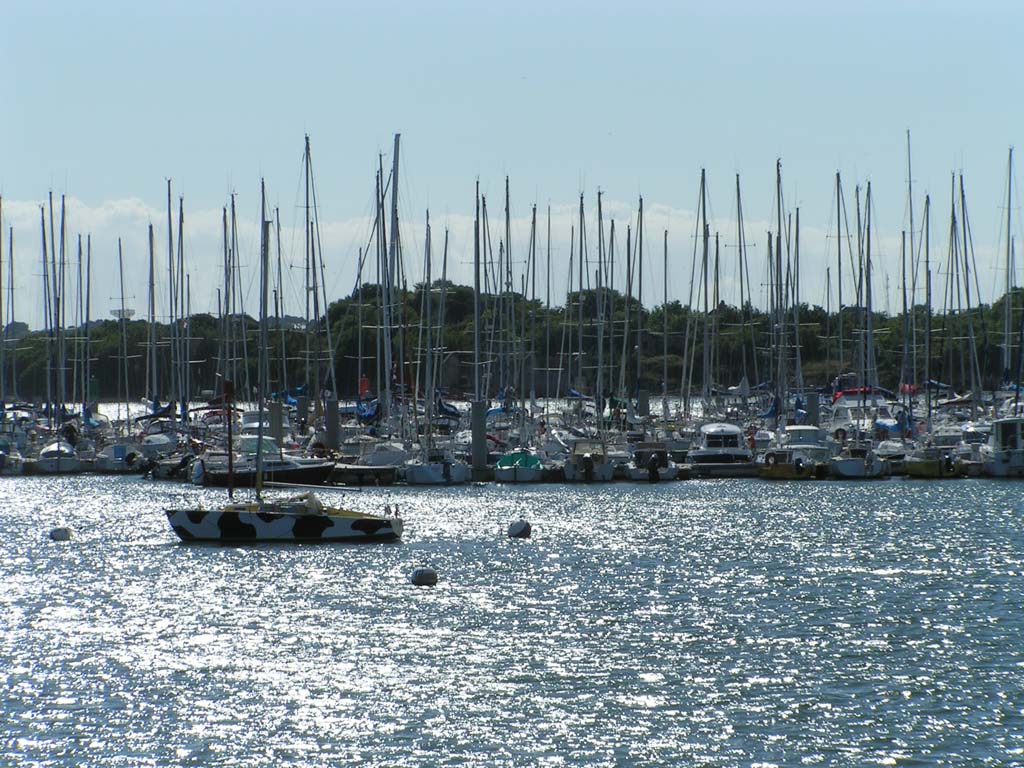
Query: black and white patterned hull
{"points": [[281, 521]]}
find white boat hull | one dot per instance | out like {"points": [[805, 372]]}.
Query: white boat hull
{"points": [[643, 474], [437, 473], [596, 473], [1004, 463], [858, 468]]}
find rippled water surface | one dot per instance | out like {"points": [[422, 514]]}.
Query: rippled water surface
{"points": [[717, 623]]}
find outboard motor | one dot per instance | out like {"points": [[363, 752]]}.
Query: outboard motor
{"points": [[652, 468], [588, 468]]}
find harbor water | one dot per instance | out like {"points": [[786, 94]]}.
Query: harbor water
{"points": [[715, 623]]}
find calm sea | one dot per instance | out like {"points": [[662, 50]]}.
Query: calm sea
{"points": [[717, 623]]}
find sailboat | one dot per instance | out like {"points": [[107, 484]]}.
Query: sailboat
{"points": [[299, 518]]}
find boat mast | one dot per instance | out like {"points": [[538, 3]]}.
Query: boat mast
{"points": [[151, 377], [389, 268], [664, 330], [87, 364], [262, 374], [46, 316], [124, 314], [10, 309], [3, 328], [927, 312], [1008, 301], [173, 391], [913, 270], [279, 311], [639, 295], [428, 299], [476, 291], [547, 321], [579, 306]]}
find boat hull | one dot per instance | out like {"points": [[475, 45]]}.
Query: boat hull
{"points": [[937, 469], [437, 473], [266, 524], [518, 474]]}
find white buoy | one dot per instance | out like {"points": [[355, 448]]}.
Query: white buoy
{"points": [[520, 529], [424, 577], [61, 534]]}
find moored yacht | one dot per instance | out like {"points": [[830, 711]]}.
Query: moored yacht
{"points": [[1004, 454], [722, 451]]}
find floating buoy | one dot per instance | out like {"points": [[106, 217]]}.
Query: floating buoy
{"points": [[520, 529], [61, 534], [424, 577]]}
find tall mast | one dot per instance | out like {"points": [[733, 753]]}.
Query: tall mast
{"points": [[547, 321], [839, 273], [476, 293], [391, 261], [124, 336], [429, 349], [46, 316], [279, 311], [173, 393], [664, 332], [10, 309], [872, 373], [151, 379], [87, 365], [533, 302], [310, 278], [3, 325], [913, 269], [261, 373], [639, 295], [1008, 300], [579, 304], [599, 389], [927, 311], [181, 371]]}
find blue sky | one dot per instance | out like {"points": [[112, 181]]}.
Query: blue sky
{"points": [[104, 101]]}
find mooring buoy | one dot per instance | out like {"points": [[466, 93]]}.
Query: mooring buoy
{"points": [[60, 534], [520, 529], [424, 577]]}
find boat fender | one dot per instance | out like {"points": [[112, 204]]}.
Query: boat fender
{"points": [[588, 467], [60, 534], [798, 464], [948, 463], [770, 459], [198, 472], [423, 577], [520, 529]]}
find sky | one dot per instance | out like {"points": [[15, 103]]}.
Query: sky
{"points": [[104, 102]]}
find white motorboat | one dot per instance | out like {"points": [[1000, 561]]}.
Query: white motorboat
{"points": [[651, 462], [1004, 454], [722, 451], [437, 469], [859, 462], [519, 466], [58, 458], [588, 463]]}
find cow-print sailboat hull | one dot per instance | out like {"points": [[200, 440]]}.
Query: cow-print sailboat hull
{"points": [[253, 525]]}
